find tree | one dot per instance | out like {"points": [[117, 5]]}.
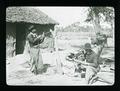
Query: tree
{"points": [[109, 17], [96, 14]]}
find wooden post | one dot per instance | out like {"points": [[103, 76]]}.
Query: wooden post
{"points": [[113, 29], [57, 56]]}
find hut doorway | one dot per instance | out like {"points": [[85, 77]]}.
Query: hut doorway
{"points": [[20, 38]]}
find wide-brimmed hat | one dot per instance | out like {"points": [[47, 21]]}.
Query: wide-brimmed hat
{"points": [[87, 46]]}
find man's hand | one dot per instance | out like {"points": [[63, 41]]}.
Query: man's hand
{"points": [[39, 36]]}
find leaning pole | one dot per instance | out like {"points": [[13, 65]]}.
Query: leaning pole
{"points": [[57, 56]]}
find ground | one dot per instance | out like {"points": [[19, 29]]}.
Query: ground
{"points": [[19, 74]]}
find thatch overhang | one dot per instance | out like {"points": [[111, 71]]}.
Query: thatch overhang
{"points": [[27, 15]]}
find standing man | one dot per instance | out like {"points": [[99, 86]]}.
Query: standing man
{"points": [[35, 55]]}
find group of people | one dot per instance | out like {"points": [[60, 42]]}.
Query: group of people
{"points": [[90, 59]]}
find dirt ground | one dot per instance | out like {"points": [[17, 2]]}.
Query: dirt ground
{"points": [[18, 73]]}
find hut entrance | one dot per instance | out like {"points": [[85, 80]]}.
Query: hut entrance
{"points": [[20, 38]]}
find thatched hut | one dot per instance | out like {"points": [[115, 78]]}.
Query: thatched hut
{"points": [[18, 19]]}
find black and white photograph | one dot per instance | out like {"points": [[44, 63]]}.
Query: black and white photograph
{"points": [[60, 46]]}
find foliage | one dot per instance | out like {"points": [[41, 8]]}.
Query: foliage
{"points": [[76, 27], [98, 14], [107, 12]]}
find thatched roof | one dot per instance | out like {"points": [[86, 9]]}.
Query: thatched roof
{"points": [[27, 15]]}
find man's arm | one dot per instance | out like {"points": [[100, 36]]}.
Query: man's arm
{"points": [[82, 62], [88, 64], [36, 39], [42, 37], [33, 40], [30, 38]]}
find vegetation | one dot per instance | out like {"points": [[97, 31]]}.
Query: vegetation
{"points": [[96, 15]]}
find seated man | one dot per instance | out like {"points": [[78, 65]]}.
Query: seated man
{"points": [[91, 62]]}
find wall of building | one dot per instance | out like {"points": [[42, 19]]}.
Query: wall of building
{"points": [[20, 37], [10, 39]]}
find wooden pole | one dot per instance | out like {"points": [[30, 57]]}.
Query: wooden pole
{"points": [[57, 56], [113, 29]]}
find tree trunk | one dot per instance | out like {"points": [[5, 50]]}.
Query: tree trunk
{"points": [[96, 24], [113, 31]]}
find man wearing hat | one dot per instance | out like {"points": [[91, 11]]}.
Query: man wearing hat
{"points": [[91, 62], [35, 55]]}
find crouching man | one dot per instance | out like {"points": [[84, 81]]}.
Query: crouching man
{"points": [[91, 62]]}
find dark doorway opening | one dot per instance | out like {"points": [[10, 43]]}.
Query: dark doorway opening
{"points": [[20, 38]]}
